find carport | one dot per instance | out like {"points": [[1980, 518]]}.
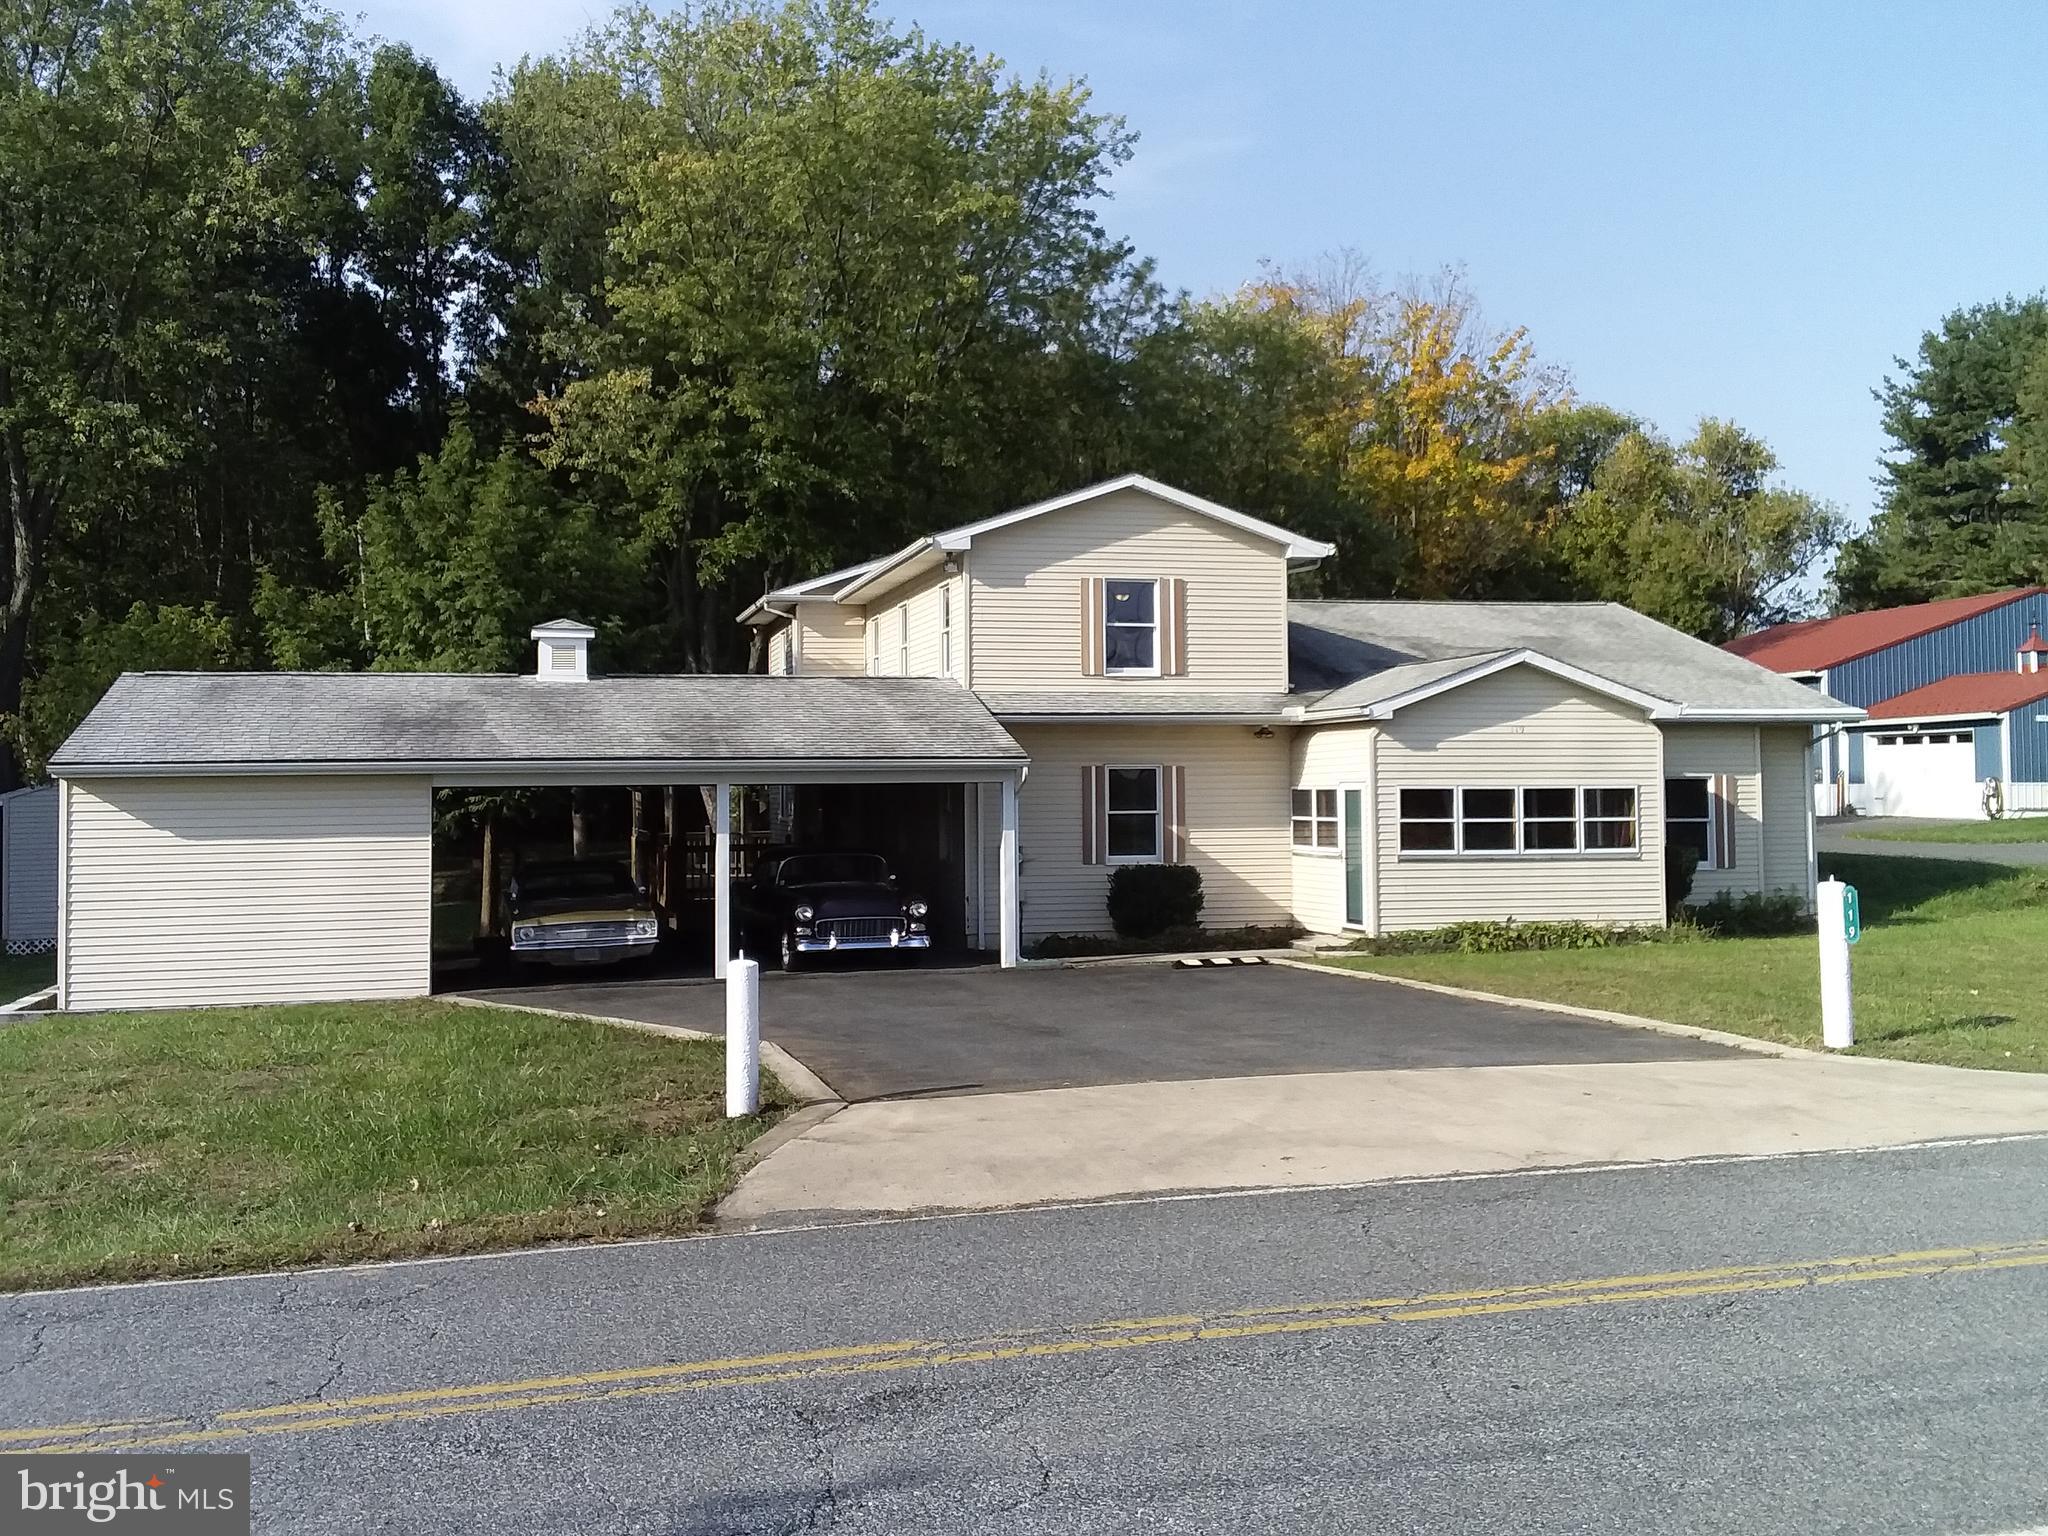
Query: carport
{"points": [[268, 837]]}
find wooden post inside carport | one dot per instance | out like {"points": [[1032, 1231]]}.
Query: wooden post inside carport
{"points": [[721, 877], [1006, 875]]}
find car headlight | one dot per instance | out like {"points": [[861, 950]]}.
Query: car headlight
{"points": [[917, 909], [803, 914], [646, 928], [526, 933]]}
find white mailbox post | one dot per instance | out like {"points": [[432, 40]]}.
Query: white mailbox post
{"points": [[1841, 924], [742, 1038]]}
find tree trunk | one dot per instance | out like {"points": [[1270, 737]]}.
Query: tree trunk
{"points": [[487, 906]]}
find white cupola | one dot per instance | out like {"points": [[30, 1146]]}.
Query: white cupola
{"points": [[564, 651], [2031, 650]]}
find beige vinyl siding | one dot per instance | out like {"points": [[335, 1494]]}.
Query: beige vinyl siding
{"points": [[830, 641], [191, 891], [1693, 750], [1026, 594], [1326, 757], [28, 910], [922, 601], [1519, 728], [1787, 809], [1237, 787]]}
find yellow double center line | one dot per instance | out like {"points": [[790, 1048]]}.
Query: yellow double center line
{"points": [[584, 1387]]}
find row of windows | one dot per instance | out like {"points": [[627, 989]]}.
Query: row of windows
{"points": [[1537, 819], [900, 616], [1130, 632], [1927, 739], [1528, 819]]}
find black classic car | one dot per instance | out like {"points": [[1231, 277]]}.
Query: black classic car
{"points": [[802, 904]]}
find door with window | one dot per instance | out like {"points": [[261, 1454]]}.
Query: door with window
{"points": [[1354, 855]]}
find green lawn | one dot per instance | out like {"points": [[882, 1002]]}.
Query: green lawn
{"points": [[23, 974], [1949, 969], [159, 1144], [2013, 829]]}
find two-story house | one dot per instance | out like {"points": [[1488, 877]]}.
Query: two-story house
{"points": [[1012, 707], [1956, 698], [1346, 766]]}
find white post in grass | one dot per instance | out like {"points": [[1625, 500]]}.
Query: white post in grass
{"points": [[1837, 1011], [742, 1038]]}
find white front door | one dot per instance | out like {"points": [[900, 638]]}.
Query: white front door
{"points": [[1922, 773]]}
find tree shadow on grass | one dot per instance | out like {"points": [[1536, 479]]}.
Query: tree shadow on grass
{"points": [[1944, 1026], [1890, 889]]}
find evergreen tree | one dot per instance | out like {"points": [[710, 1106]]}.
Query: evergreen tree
{"points": [[1957, 517]]}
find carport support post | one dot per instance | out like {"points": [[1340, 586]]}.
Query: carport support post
{"points": [[721, 878], [1006, 875]]}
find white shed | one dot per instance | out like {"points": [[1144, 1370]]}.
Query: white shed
{"points": [[262, 837], [28, 870]]}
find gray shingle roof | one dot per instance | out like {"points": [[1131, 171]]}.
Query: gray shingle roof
{"points": [[391, 719], [1352, 649], [1124, 703]]}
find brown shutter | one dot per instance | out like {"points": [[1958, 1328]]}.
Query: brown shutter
{"points": [[1173, 813], [1173, 627], [1092, 601], [1724, 820], [1094, 814]]}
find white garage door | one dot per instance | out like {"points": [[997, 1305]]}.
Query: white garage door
{"points": [[1922, 773], [245, 890]]}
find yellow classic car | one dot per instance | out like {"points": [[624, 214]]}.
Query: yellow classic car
{"points": [[580, 913]]}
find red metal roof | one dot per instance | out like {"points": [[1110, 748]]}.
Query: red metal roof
{"points": [[1968, 693], [1813, 644]]}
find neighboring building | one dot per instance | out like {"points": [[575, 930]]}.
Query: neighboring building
{"points": [[28, 870], [1113, 676], [1955, 694]]}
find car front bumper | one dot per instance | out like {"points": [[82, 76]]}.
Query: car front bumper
{"points": [[833, 944]]}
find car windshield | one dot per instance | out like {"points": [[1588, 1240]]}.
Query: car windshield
{"points": [[586, 880], [833, 869]]}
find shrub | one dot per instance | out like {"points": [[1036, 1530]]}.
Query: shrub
{"points": [[1680, 865], [1484, 938], [1757, 915], [1146, 900], [1081, 946]]}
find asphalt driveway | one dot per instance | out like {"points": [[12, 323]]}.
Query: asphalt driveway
{"points": [[877, 1034], [1840, 837]]}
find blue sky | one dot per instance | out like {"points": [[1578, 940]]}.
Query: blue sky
{"points": [[1740, 209]]}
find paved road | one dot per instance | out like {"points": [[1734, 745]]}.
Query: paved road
{"points": [[1423, 1357], [875, 1034], [1835, 837]]}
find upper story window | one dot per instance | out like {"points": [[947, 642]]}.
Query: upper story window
{"points": [[1130, 628], [903, 640], [874, 647], [946, 630]]}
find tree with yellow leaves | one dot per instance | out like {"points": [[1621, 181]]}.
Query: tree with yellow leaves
{"points": [[1425, 423]]}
